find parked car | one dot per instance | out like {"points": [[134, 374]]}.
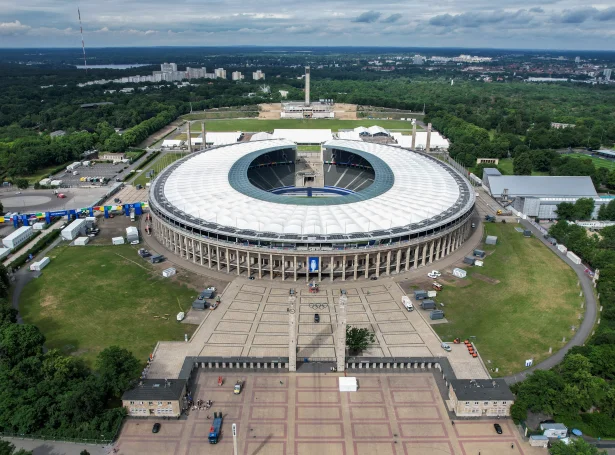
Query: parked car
{"points": [[316, 317], [373, 278], [156, 428], [446, 347], [237, 388], [498, 428], [434, 274]]}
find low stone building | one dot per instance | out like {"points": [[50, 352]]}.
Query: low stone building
{"points": [[155, 398], [108, 156], [480, 397]]}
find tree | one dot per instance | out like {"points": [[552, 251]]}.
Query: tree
{"points": [[84, 452], [522, 164], [5, 282], [19, 341], [6, 448], [118, 369], [22, 184], [576, 447], [357, 339], [565, 211], [1, 208], [584, 208]]}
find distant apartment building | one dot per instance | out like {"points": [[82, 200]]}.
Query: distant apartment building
{"points": [[168, 67], [417, 60], [258, 75], [577, 60], [220, 73], [236, 76], [607, 74]]}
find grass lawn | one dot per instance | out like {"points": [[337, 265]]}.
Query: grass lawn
{"points": [[506, 165], [41, 174], [308, 148], [598, 162], [256, 125], [530, 309], [157, 165], [90, 298]]}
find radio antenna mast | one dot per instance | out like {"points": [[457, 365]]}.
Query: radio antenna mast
{"points": [[85, 63]]}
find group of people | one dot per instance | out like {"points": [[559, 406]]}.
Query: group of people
{"points": [[202, 404]]}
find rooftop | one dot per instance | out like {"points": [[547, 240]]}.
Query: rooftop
{"points": [[542, 186], [481, 389], [156, 389]]}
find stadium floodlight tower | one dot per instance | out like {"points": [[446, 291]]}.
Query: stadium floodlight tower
{"points": [[340, 348], [307, 85]]}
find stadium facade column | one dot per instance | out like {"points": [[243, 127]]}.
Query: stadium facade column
{"points": [[238, 257], [248, 262], [201, 253], [332, 262], [271, 266], [209, 254], [398, 263], [307, 269], [295, 266], [260, 267], [344, 268], [444, 242], [431, 251], [320, 266], [228, 261], [356, 265], [367, 265], [408, 258], [378, 264], [283, 268], [424, 254], [416, 256], [438, 245], [388, 267], [292, 334], [218, 257], [340, 342]]}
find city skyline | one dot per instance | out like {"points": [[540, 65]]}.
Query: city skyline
{"points": [[560, 24]]}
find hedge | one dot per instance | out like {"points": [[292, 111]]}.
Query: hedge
{"points": [[38, 246]]}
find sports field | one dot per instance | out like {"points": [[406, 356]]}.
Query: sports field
{"points": [[93, 297], [523, 301], [256, 125], [598, 162]]}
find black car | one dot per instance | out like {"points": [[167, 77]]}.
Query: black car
{"points": [[316, 317], [156, 428], [498, 428]]}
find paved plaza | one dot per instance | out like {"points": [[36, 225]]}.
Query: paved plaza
{"points": [[253, 321], [305, 414]]}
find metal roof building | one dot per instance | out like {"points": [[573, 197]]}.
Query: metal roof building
{"points": [[314, 136], [538, 196]]}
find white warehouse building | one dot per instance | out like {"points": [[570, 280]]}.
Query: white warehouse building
{"points": [[18, 237]]}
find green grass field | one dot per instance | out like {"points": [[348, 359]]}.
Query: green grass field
{"points": [[255, 125], [530, 309], [598, 162], [157, 165], [506, 166], [308, 148], [90, 298]]}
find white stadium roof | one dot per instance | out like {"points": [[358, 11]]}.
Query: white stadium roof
{"points": [[216, 139], [316, 136], [423, 188], [350, 135], [261, 136]]}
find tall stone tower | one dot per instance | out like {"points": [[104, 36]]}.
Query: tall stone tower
{"points": [[413, 134], [340, 339], [292, 334], [204, 144], [307, 85], [428, 143]]}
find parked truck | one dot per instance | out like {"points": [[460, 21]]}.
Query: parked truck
{"points": [[214, 431], [405, 301]]}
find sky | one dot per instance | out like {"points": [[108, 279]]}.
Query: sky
{"points": [[519, 24]]}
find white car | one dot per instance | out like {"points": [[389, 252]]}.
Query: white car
{"points": [[434, 274], [134, 242]]}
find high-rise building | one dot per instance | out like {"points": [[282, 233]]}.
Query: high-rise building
{"points": [[607, 74], [220, 73], [168, 67], [417, 60], [236, 76], [577, 60], [257, 75]]}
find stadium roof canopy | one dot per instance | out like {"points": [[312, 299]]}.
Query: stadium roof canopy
{"points": [[542, 186], [315, 136], [216, 139], [261, 136], [437, 141], [350, 135], [411, 192]]}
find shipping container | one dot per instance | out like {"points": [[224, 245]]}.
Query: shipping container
{"points": [[491, 240], [156, 258], [4, 252], [81, 241], [436, 314], [71, 231], [117, 240], [38, 226], [132, 234], [562, 248], [573, 257], [40, 265], [539, 440], [479, 253], [169, 272], [431, 294], [420, 294], [90, 221], [468, 260], [459, 273], [428, 304], [478, 263]]}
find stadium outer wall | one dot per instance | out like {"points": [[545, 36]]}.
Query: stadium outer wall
{"points": [[350, 264]]}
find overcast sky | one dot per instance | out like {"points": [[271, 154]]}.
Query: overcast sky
{"points": [[549, 24]]}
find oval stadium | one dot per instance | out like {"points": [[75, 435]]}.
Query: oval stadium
{"points": [[353, 210]]}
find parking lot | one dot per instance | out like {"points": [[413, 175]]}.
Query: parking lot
{"points": [[86, 175], [306, 414]]}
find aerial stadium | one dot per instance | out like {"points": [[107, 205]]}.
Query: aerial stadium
{"points": [[354, 210]]}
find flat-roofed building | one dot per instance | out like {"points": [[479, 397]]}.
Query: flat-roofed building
{"points": [[155, 398], [480, 397]]}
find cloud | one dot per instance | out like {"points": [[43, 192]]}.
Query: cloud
{"points": [[536, 9], [392, 18], [606, 14], [13, 28], [478, 19], [575, 16], [368, 17]]}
